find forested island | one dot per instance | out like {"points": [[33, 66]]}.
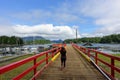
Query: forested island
{"points": [[18, 41], [114, 38], [13, 40]]}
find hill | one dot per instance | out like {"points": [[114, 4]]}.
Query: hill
{"points": [[30, 38], [57, 41]]}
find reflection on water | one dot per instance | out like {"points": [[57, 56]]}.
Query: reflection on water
{"points": [[107, 48]]}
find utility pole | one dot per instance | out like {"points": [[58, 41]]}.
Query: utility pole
{"points": [[33, 40], [76, 35]]}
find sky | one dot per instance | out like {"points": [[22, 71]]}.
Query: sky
{"points": [[59, 19]]}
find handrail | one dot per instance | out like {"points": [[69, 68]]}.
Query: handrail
{"points": [[34, 58], [112, 66], [58, 45]]}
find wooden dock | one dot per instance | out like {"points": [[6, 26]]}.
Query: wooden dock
{"points": [[77, 68]]}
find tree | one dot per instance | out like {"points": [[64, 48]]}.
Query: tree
{"points": [[114, 38], [13, 40]]}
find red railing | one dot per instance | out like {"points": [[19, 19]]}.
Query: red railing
{"points": [[94, 55], [49, 54], [58, 45]]}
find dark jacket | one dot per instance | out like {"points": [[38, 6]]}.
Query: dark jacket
{"points": [[63, 52]]}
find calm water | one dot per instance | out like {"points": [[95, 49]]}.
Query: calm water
{"points": [[107, 48]]}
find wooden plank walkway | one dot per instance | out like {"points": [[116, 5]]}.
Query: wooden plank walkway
{"points": [[77, 68]]}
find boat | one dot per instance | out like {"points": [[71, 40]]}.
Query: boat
{"points": [[90, 45]]}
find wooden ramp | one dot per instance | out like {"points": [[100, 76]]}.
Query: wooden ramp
{"points": [[77, 68]]}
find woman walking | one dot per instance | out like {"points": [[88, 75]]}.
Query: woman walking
{"points": [[63, 57]]}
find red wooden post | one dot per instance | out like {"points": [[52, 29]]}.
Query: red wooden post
{"points": [[96, 57], [52, 53], [88, 52], [46, 58], [85, 50], [82, 49], [112, 69], [34, 68]]}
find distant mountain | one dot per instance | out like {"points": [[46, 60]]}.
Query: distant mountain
{"points": [[29, 38], [57, 41]]}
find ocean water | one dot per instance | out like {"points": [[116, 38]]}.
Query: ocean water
{"points": [[107, 48]]}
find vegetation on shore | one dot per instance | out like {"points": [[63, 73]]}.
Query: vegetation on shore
{"points": [[17, 41], [114, 38], [13, 40]]}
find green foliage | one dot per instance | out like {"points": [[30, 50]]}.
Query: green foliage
{"points": [[85, 39], [13, 40], [4, 40], [114, 38]]}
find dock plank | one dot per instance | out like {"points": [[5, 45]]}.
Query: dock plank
{"points": [[77, 68]]}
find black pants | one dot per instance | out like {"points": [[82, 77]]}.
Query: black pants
{"points": [[63, 61]]}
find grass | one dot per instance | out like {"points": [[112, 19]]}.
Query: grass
{"points": [[118, 55], [108, 60], [6, 57], [14, 60], [9, 75]]}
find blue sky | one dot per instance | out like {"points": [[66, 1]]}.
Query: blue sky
{"points": [[33, 17]]}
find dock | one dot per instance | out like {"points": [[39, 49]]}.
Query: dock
{"points": [[77, 68]]}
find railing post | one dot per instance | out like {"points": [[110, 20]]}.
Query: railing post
{"points": [[0, 76], [34, 68], [88, 52], [46, 58], [82, 49], [52, 53], [112, 69], [79, 48], [96, 57], [85, 50]]}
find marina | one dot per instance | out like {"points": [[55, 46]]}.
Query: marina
{"points": [[22, 50]]}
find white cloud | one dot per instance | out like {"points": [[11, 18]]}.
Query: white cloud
{"points": [[6, 30], [46, 30], [106, 14], [112, 29]]}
